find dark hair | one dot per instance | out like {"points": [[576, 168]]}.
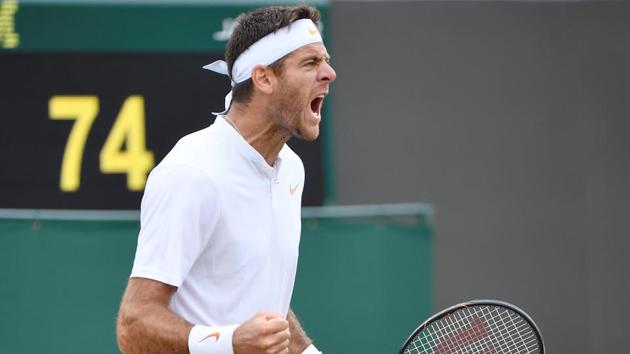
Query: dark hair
{"points": [[254, 25]]}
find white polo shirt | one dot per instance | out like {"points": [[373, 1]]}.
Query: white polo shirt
{"points": [[222, 226]]}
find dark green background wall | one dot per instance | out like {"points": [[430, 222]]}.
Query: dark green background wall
{"points": [[62, 281]]}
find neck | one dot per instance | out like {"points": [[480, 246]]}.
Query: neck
{"points": [[259, 130]]}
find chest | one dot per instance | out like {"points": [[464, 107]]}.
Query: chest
{"points": [[259, 226]]}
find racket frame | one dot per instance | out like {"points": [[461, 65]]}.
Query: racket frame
{"points": [[485, 302]]}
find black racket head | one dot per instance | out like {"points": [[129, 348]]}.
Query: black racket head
{"points": [[477, 326]]}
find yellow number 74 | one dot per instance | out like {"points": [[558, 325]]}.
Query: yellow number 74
{"points": [[124, 150]]}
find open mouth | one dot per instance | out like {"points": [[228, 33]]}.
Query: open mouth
{"points": [[316, 106]]}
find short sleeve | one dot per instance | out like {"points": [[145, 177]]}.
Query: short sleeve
{"points": [[179, 212]]}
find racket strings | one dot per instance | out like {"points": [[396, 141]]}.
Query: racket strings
{"points": [[476, 329], [473, 337], [440, 337], [484, 342], [506, 334], [510, 333], [443, 333], [528, 340]]}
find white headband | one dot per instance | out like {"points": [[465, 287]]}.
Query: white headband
{"points": [[266, 51]]}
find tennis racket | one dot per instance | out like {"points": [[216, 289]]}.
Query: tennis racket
{"points": [[477, 326]]}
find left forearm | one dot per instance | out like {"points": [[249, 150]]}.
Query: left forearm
{"points": [[299, 340]]}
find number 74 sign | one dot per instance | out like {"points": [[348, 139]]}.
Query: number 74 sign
{"points": [[124, 150]]}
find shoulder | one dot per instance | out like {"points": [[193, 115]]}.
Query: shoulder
{"points": [[182, 181], [179, 190], [201, 150]]}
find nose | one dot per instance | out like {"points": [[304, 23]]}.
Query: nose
{"points": [[327, 72]]}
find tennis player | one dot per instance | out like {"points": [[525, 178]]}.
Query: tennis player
{"points": [[220, 218]]}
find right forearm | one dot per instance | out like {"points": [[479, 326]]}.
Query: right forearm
{"points": [[151, 328]]}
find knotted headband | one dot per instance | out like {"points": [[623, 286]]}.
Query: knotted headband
{"points": [[266, 51]]}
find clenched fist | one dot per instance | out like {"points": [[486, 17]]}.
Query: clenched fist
{"points": [[265, 333]]}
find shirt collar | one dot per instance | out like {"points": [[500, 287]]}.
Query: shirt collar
{"points": [[248, 151]]}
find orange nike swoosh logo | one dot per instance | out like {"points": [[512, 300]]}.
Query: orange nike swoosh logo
{"points": [[293, 189], [312, 31], [213, 334]]}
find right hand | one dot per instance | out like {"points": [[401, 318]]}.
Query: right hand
{"points": [[265, 333]]}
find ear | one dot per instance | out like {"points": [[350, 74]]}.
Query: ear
{"points": [[263, 78]]}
